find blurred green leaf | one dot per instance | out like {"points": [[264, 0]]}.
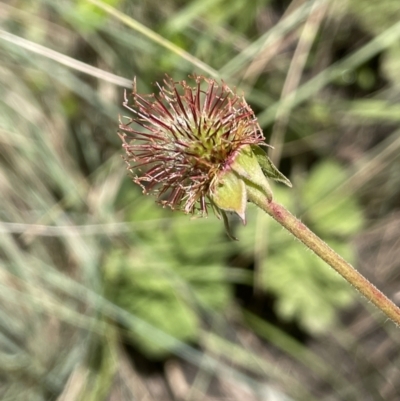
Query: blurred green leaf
{"points": [[170, 277], [330, 212], [307, 290], [152, 294]]}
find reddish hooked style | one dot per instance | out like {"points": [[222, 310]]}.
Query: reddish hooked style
{"points": [[181, 139]]}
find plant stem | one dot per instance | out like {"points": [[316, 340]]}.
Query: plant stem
{"points": [[326, 253]]}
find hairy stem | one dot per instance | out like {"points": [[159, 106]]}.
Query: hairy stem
{"points": [[326, 253]]}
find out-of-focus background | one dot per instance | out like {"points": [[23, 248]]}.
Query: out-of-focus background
{"points": [[106, 296]]}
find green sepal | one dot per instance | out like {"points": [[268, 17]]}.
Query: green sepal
{"points": [[227, 226], [222, 215], [247, 166], [249, 171], [268, 167], [229, 194]]}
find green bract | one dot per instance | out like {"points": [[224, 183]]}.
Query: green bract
{"points": [[250, 168]]}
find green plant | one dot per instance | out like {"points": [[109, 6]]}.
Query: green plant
{"points": [[200, 147]]}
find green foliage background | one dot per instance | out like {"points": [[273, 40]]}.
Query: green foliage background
{"points": [[105, 295]]}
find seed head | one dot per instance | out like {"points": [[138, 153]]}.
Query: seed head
{"points": [[197, 146], [182, 139]]}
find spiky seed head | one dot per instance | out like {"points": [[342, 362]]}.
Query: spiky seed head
{"points": [[182, 140]]}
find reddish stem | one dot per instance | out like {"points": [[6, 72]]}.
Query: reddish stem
{"points": [[326, 253]]}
